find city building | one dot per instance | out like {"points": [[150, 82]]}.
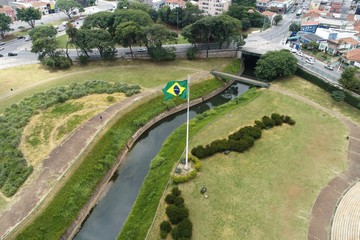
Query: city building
{"points": [[352, 58], [214, 7], [261, 5], [175, 3], [270, 16], [8, 11]]}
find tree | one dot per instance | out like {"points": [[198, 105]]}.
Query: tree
{"points": [[295, 27], [44, 43], [350, 80], [247, 15], [128, 33], [103, 20], [338, 96], [274, 64], [4, 24], [67, 6], [226, 28], [28, 15], [277, 19], [155, 35], [88, 39], [126, 15], [43, 40]]}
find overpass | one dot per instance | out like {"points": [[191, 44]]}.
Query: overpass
{"points": [[241, 79]]}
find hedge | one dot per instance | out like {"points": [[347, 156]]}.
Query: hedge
{"points": [[349, 98]]}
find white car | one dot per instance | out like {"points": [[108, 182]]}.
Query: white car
{"points": [[310, 61], [141, 50], [293, 50], [2, 43], [1, 48], [299, 54]]}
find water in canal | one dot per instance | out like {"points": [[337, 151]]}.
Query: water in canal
{"points": [[107, 218]]}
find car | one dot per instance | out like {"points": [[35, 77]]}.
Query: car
{"points": [[293, 50], [299, 53], [27, 38], [20, 37], [141, 50], [310, 61], [2, 43], [1, 55], [329, 67], [10, 54], [1, 48]]}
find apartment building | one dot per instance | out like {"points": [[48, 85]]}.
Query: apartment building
{"points": [[214, 7]]}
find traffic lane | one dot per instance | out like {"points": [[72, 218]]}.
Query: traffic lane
{"points": [[319, 68]]}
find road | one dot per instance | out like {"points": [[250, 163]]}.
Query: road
{"points": [[271, 39], [275, 37]]}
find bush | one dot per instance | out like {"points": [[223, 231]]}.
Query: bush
{"points": [[191, 53], [185, 178], [176, 214], [185, 227], [197, 162], [162, 53], [176, 191], [110, 98], [277, 119], [338, 96], [170, 199], [268, 122], [179, 201], [291, 122], [165, 226], [259, 124], [163, 234], [84, 60]]}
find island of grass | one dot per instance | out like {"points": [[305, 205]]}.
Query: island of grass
{"points": [[268, 191]]}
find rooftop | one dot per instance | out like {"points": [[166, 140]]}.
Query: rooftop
{"points": [[353, 55]]}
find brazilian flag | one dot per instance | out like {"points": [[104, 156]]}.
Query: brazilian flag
{"points": [[175, 88]]}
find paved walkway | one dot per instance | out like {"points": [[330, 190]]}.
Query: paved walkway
{"points": [[325, 205]]}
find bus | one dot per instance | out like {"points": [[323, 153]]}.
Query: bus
{"points": [[298, 13]]}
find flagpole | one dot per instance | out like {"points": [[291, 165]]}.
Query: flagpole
{"points": [[187, 124]]}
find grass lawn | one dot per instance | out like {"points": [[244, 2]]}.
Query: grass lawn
{"points": [[315, 93], [29, 79], [45, 130], [268, 191]]}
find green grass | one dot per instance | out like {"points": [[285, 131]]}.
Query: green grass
{"points": [[56, 217], [318, 95], [143, 211], [29, 79], [72, 124], [268, 191]]}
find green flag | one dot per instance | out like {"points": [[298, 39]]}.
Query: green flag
{"points": [[175, 88]]}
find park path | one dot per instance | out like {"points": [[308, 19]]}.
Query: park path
{"points": [[326, 203], [46, 177]]}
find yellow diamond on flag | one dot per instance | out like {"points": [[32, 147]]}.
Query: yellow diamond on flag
{"points": [[176, 89]]}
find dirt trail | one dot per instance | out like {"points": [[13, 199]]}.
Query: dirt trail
{"points": [[329, 197]]}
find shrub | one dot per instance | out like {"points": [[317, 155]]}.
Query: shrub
{"points": [[259, 124], [197, 162], [286, 119], [110, 98], [338, 96], [199, 152], [191, 53], [163, 234], [140, 122], [170, 199], [179, 201], [185, 178], [176, 214], [176, 191], [219, 145], [268, 122], [84, 60], [185, 227], [277, 119], [165, 226], [291, 122]]}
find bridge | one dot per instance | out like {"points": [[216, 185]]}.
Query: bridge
{"points": [[241, 79]]}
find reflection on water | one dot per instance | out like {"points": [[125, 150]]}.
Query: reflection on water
{"points": [[108, 217]]}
